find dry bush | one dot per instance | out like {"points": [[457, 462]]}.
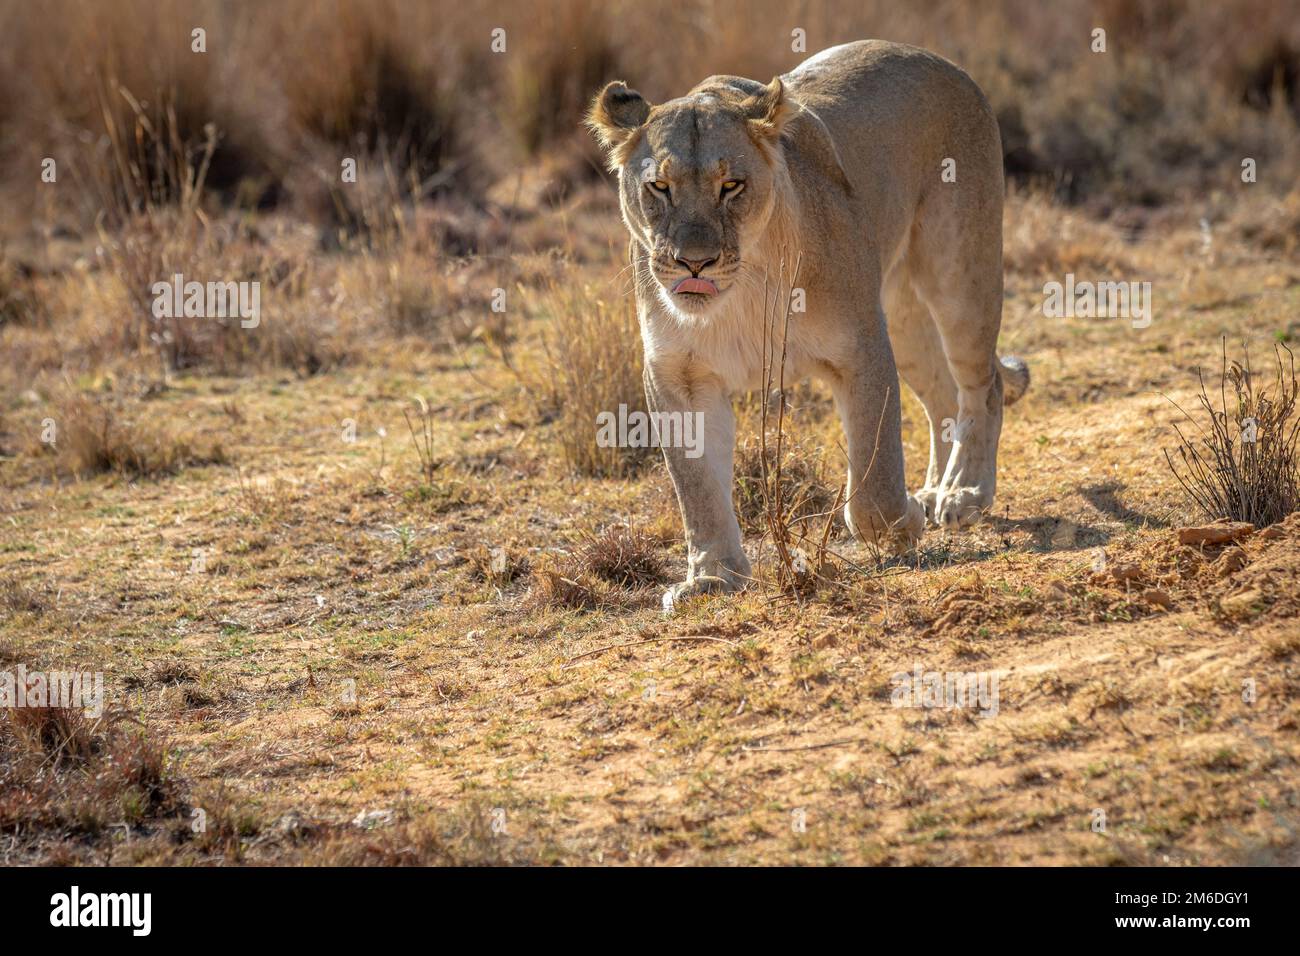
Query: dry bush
{"points": [[152, 248], [565, 584], [370, 85], [1041, 239], [623, 556], [62, 735], [96, 435], [138, 100], [388, 85], [426, 299], [559, 69], [781, 496], [17, 597], [21, 302], [62, 773], [409, 302], [1241, 463], [497, 566], [592, 359], [810, 484], [1270, 222], [613, 568], [303, 323], [419, 425], [230, 822]]}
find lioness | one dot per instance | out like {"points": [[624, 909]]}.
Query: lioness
{"points": [[878, 167]]}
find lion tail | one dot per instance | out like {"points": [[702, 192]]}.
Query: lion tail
{"points": [[1015, 378]]}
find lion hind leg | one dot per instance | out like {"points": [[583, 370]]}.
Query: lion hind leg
{"points": [[959, 279], [923, 366]]}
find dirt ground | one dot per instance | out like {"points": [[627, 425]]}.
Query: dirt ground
{"points": [[313, 631]]}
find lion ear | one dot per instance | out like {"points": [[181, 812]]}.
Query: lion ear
{"points": [[614, 117], [769, 110]]}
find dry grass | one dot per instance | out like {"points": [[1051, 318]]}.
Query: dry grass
{"points": [[20, 298], [625, 557], [443, 641], [94, 435], [564, 584], [67, 775], [591, 351], [16, 597], [1243, 463]]}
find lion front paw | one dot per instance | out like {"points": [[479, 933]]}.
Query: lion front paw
{"points": [[898, 536], [906, 532], [702, 584], [928, 499], [959, 508]]}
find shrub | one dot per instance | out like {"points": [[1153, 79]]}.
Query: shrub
{"points": [[95, 436], [592, 361], [1241, 462]]}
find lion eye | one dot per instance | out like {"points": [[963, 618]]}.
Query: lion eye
{"points": [[658, 186], [732, 186]]}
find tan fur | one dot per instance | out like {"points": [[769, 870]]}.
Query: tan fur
{"points": [[841, 163]]}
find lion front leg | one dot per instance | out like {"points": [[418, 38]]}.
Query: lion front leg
{"points": [[878, 510], [700, 466]]}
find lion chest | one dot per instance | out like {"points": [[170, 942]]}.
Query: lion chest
{"points": [[732, 346]]}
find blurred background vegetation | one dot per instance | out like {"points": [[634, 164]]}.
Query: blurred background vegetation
{"points": [[112, 91]]}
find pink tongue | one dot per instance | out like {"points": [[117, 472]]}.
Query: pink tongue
{"points": [[694, 284]]}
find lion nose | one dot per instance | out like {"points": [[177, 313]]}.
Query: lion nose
{"points": [[697, 265]]}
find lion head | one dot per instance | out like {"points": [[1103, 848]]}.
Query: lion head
{"points": [[698, 180]]}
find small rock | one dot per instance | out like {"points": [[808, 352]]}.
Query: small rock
{"points": [[1118, 574], [1213, 534], [291, 824], [1056, 591], [824, 640], [371, 819], [1242, 603], [1157, 597], [1230, 562], [1125, 572]]}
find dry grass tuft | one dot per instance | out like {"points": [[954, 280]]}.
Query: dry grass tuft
{"points": [[21, 302], [592, 361], [62, 773], [1242, 463], [564, 584], [810, 489], [497, 566], [419, 425], [94, 436], [625, 557], [61, 735], [796, 528], [17, 597]]}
